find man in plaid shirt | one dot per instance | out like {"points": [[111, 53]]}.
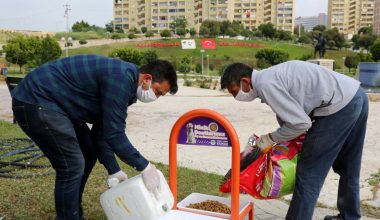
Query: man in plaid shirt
{"points": [[54, 102]]}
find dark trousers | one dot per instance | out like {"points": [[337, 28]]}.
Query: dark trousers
{"points": [[69, 149], [333, 141]]}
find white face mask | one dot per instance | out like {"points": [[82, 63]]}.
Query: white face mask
{"points": [[245, 96], [146, 95]]}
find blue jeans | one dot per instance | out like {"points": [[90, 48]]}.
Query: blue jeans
{"points": [[69, 149], [333, 141]]}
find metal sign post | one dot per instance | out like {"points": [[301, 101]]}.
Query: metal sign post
{"points": [[209, 128]]}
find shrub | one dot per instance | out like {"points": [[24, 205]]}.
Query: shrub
{"points": [[306, 57], [128, 55], [82, 42], [149, 34], [188, 82], [131, 36], [149, 56], [270, 57], [165, 33], [115, 36]]}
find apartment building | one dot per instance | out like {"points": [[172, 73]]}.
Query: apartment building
{"points": [[310, 22], [376, 21], [158, 14], [350, 15]]}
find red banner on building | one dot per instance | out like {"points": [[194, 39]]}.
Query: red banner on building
{"points": [[208, 44]]}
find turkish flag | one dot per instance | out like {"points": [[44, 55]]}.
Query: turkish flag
{"points": [[208, 44]]}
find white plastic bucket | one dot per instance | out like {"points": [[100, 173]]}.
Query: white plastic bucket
{"points": [[130, 200]]}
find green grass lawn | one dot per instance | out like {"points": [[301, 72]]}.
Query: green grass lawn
{"points": [[219, 57], [33, 198]]}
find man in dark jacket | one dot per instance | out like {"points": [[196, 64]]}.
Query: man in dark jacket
{"points": [[54, 103]]}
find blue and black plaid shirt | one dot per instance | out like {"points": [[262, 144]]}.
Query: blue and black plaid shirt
{"points": [[89, 89]]}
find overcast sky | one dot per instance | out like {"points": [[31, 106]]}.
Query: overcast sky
{"points": [[48, 14]]}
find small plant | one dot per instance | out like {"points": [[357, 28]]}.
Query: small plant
{"points": [[374, 181], [187, 82]]}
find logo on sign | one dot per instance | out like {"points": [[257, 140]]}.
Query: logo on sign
{"points": [[204, 132]]}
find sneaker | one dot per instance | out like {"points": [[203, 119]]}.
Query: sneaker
{"points": [[334, 217]]}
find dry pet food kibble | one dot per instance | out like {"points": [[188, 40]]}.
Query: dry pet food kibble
{"points": [[212, 206]]}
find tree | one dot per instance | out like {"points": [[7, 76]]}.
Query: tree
{"points": [[231, 32], [149, 34], [267, 30], [334, 38], [284, 35], [50, 50], [178, 23], [166, 33], [351, 62], [149, 56], [181, 32], [204, 31], [365, 30], [269, 57], [128, 55], [224, 26], [109, 26], [321, 28], [246, 33], [366, 41], [210, 28], [192, 32], [80, 26], [237, 26], [21, 50], [144, 30], [375, 51]]}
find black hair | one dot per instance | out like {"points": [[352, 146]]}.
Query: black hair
{"points": [[233, 73], [162, 70]]}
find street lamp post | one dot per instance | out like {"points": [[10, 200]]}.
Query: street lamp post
{"points": [[208, 66], [67, 42], [202, 51], [191, 64]]}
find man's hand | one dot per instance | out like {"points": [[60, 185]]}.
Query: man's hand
{"points": [[116, 178], [151, 177], [249, 146], [265, 143]]}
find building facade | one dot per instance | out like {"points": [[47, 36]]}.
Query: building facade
{"points": [[158, 14], [310, 22], [348, 16], [376, 21]]}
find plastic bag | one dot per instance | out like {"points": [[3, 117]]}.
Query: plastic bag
{"points": [[271, 175]]}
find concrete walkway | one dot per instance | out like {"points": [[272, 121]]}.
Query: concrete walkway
{"points": [[149, 126]]}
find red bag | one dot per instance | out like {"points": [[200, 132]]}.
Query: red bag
{"points": [[272, 175]]}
